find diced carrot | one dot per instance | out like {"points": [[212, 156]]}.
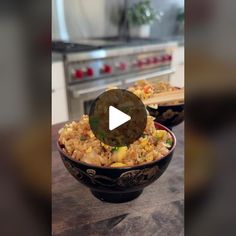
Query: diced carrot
{"points": [[146, 88]]}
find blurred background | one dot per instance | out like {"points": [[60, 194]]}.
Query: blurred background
{"points": [[210, 117], [25, 119], [112, 43], [82, 19]]}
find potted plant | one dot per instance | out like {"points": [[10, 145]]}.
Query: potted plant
{"points": [[180, 21], [140, 16]]}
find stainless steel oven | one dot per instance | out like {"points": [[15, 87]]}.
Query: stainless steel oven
{"points": [[82, 96], [91, 69]]}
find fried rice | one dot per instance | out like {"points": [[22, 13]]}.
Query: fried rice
{"points": [[79, 142], [144, 89]]}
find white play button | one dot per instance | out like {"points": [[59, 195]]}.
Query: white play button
{"points": [[117, 118]]}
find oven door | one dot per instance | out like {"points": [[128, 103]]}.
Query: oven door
{"points": [[81, 97]]}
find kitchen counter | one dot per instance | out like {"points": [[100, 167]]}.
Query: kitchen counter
{"points": [[179, 39], [158, 211]]}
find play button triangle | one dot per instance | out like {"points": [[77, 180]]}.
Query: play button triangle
{"points": [[117, 118]]}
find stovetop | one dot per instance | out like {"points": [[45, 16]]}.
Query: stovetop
{"points": [[67, 47], [100, 43]]}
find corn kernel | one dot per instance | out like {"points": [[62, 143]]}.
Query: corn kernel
{"points": [[118, 164], [121, 153], [149, 157], [89, 150]]}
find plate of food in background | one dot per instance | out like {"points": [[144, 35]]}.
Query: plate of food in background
{"points": [[169, 114]]}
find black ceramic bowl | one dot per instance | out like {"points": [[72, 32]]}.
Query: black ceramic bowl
{"points": [[119, 184], [168, 115]]}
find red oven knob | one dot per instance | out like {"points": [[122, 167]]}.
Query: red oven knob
{"points": [[140, 63], [164, 58], [89, 72], [78, 74], [169, 57], [107, 69], [148, 61], [122, 66], [156, 60]]}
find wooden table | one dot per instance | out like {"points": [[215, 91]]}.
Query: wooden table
{"points": [[158, 211]]}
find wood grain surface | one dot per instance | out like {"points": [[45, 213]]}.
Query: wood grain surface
{"points": [[158, 211]]}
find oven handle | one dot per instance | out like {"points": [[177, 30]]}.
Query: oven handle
{"points": [[150, 76], [77, 93]]}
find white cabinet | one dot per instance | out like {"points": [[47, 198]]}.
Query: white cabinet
{"points": [[59, 99], [58, 76], [177, 79], [59, 106]]}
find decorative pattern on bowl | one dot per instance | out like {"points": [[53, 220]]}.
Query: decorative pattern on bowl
{"points": [[126, 179], [117, 184]]}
